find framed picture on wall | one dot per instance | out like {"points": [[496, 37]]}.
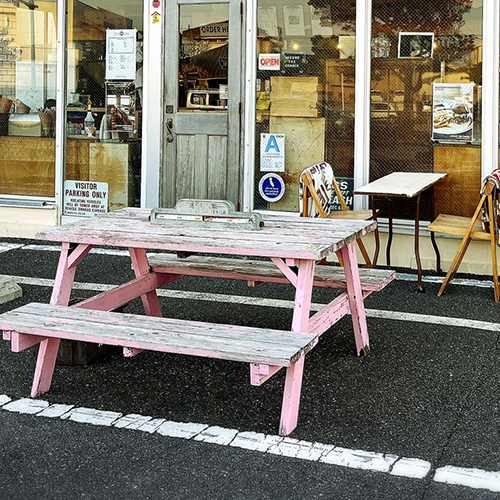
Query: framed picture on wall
{"points": [[415, 45]]}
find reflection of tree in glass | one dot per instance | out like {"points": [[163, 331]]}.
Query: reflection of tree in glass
{"points": [[443, 17]]}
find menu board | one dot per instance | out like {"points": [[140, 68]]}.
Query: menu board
{"points": [[120, 54]]}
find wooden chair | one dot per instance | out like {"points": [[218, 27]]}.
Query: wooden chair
{"points": [[317, 183], [472, 228]]}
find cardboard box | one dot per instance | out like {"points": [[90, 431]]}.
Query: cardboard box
{"points": [[294, 96], [25, 125]]}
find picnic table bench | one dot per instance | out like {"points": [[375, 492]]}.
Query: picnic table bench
{"points": [[33, 323], [291, 245], [256, 271]]}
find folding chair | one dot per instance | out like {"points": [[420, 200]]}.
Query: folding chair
{"points": [[473, 228], [317, 183]]}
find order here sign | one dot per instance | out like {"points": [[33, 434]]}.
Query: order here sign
{"points": [[84, 198]]}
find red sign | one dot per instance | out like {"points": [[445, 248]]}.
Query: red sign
{"points": [[270, 62], [156, 4]]}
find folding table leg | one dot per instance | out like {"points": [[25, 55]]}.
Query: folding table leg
{"points": [[493, 244], [355, 294]]}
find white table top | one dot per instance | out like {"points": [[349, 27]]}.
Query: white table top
{"points": [[281, 236], [407, 184]]}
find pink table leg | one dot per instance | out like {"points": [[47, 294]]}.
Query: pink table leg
{"points": [[61, 293], [300, 323], [141, 267], [150, 300], [356, 304]]}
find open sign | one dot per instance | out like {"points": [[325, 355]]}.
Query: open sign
{"points": [[269, 62]]}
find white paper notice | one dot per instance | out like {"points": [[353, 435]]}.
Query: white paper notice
{"points": [[84, 198], [120, 54]]}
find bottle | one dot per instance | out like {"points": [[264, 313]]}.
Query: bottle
{"points": [[89, 121]]}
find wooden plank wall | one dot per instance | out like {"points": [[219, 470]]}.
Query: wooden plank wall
{"points": [[458, 192]]}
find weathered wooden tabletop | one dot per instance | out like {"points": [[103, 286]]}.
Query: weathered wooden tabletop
{"points": [[282, 236], [404, 184]]}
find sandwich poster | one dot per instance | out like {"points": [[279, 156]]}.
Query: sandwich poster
{"points": [[452, 112]]}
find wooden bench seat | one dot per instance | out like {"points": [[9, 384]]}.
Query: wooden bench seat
{"points": [[263, 271], [457, 225], [270, 349]]}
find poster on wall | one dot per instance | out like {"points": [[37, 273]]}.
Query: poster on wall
{"points": [[452, 112], [272, 152], [416, 45], [268, 21], [294, 20]]}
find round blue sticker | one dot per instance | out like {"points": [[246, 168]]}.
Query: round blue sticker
{"points": [[271, 187]]}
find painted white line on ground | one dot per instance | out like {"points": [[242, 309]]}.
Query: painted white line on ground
{"points": [[91, 416], [124, 253], [473, 478], [276, 303], [413, 468], [5, 247]]}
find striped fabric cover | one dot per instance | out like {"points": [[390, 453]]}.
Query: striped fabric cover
{"points": [[494, 178]]}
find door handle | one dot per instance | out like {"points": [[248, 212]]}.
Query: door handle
{"points": [[170, 125]]}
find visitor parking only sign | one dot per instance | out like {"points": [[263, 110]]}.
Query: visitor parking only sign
{"points": [[272, 152], [84, 198]]}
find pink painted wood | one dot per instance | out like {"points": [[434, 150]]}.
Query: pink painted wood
{"points": [[47, 353], [150, 301], [355, 295], [293, 244]]}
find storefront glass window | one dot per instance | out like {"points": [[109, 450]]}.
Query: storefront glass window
{"points": [[103, 114], [304, 94], [28, 41], [426, 66], [203, 58]]}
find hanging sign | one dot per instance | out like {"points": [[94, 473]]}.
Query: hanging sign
{"points": [[272, 187], [294, 63], [83, 198], [346, 185], [269, 62], [155, 17], [120, 54], [272, 152], [214, 30]]}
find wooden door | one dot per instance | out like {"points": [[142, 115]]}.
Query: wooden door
{"points": [[202, 120]]}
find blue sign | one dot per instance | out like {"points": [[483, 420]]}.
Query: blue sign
{"points": [[272, 187]]}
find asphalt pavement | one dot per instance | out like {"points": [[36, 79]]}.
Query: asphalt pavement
{"points": [[419, 418]]}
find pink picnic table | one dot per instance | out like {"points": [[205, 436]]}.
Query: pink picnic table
{"points": [[294, 244]]}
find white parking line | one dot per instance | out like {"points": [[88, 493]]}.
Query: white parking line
{"points": [[325, 453], [414, 468], [399, 276], [275, 303]]}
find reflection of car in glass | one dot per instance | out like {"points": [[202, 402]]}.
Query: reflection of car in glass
{"points": [[383, 111]]}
